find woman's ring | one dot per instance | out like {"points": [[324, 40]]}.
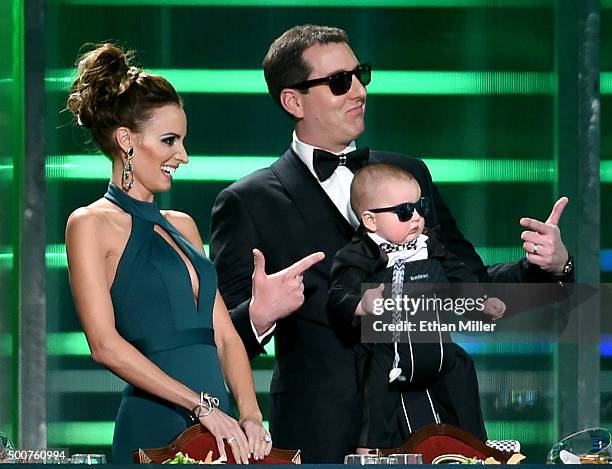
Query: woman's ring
{"points": [[230, 440], [535, 248], [267, 438]]}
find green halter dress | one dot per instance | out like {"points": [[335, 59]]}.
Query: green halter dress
{"points": [[156, 312]]}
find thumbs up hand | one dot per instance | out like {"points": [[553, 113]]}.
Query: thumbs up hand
{"points": [[543, 243]]}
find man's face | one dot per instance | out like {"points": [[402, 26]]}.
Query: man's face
{"points": [[327, 121]]}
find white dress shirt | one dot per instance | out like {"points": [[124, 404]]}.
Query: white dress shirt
{"points": [[338, 186]]}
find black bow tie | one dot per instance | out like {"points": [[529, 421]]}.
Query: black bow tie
{"points": [[325, 163], [392, 247]]}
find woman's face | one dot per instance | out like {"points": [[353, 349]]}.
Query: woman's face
{"points": [[158, 150]]}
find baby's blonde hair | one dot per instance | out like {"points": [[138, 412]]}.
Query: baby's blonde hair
{"points": [[368, 179]]}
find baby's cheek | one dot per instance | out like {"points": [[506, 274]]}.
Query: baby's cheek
{"points": [[396, 234]]}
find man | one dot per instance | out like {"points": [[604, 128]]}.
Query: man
{"points": [[296, 208]]}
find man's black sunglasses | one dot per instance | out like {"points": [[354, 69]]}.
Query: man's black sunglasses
{"points": [[405, 211], [340, 83]]}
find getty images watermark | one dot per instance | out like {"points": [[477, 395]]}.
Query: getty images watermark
{"points": [[423, 306], [425, 312]]}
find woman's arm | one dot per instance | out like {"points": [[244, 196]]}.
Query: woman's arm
{"points": [[237, 371], [86, 245], [232, 355]]}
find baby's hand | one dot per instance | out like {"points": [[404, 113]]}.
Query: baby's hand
{"points": [[366, 305], [494, 308]]}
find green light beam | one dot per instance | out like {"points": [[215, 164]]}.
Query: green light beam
{"points": [[231, 168], [200, 168], [55, 255], [605, 171], [80, 433], [384, 82], [527, 432], [389, 81], [84, 433], [499, 255], [67, 344], [448, 170], [605, 79], [75, 344], [6, 260], [101, 433]]}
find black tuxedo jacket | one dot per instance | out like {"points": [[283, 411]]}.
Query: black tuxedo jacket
{"points": [[283, 211]]}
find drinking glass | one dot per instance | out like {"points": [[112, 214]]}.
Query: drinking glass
{"points": [[593, 442], [412, 458], [88, 459], [362, 459]]}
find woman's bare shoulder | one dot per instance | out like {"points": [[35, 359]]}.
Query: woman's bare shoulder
{"points": [[185, 224], [178, 218], [97, 216]]}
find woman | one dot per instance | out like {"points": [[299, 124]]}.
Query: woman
{"points": [[145, 293]]}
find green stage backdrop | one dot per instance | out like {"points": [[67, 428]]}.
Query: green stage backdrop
{"points": [[468, 85]]}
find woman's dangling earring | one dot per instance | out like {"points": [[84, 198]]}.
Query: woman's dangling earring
{"points": [[127, 181]]}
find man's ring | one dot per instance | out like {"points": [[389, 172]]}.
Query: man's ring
{"points": [[266, 438], [535, 248], [230, 440]]}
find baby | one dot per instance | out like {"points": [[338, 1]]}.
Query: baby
{"points": [[402, 383]]}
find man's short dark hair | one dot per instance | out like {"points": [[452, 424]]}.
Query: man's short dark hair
{"points": [[284, 64]]}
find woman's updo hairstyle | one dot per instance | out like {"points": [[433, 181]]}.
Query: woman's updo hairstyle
{"points": [[110, 92]]}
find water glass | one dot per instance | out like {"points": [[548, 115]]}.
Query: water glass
{"points": [[362, 459], [591, 441], [88, 459], [406, 458]]}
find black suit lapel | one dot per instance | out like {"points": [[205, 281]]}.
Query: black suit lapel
{"points": [[329, 229]]}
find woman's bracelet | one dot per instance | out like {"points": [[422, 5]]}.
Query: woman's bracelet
{"points": [[206, 405]]}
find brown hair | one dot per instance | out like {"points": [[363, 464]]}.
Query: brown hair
{"points": [[368, 179], [110, 92], [284, 64]]}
